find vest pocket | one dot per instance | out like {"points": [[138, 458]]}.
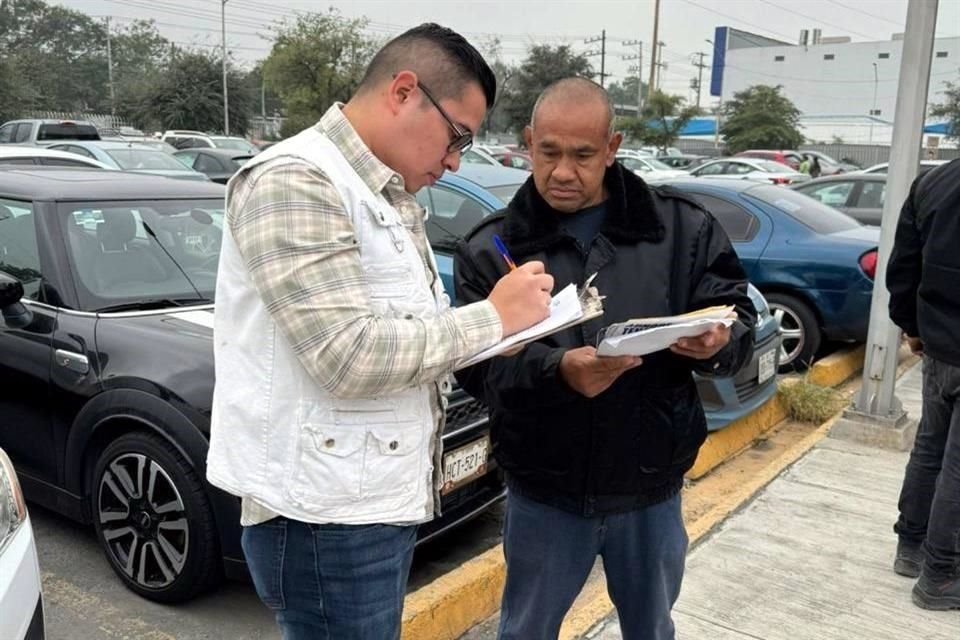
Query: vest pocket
{"points": [[329, 462], [393, 464], [388, 282]]}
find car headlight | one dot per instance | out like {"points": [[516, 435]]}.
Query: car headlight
{"points": [[13, 509]]}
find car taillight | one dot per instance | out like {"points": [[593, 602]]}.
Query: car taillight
{"points": [[780, 180], [868, 263]]}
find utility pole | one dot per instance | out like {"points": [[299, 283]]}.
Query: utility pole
{"points": [[876, 416], [602, 52], [661, 65], [638, 68], [873, 111], [700, 66], [653, 59], [113, 99], [223, 45]]}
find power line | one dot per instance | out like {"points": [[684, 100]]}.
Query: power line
{"points": [[869, 15], [818, 20], [729, 17]]}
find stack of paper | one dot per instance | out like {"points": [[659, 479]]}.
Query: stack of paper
{"points": [[641, 336]]}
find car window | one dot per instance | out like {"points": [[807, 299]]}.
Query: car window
{"points": [[715, 169], [740, 224], [655, 164], [18, 161], [834, 194], [807, 211], [505, 191], [186, 158], [871, 195], [635, 164], [739, 168], [72, 148], [19, 252], [22, 133], [452, 216], [207, 164], [67, 131], [772, 167], [6, 133], [143, 159]]}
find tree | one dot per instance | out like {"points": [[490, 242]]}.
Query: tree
{"points": [[188, 94], [949, 109], [662, 120], [626, 93], [317, 60], [542, 66], [760, 118]]}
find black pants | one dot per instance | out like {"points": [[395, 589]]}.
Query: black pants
{"points": [[930, 497]]}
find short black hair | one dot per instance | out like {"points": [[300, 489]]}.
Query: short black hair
{"points": [[441, 57]]}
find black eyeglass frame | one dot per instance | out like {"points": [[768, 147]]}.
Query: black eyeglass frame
{"points": [[462, 140]]}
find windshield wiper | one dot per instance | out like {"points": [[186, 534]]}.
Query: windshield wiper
{"points": [[153, 303]]}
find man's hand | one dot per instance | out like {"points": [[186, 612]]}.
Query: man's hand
{"points": [[590, 375], [704, 346], [522, 297], [916, 344]]}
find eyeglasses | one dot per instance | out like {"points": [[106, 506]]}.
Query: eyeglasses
{"points": [[462, 140]]}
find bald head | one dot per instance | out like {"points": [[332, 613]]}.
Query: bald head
{"points": [[575, 92]]}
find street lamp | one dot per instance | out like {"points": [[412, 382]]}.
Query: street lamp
{"points": [[223, 45], [873, 111]]}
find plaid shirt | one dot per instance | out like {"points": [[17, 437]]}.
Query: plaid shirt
{"points": [[298, 243]]}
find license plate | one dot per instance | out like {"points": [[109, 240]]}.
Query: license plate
{"points": [[766, 366], [465, 464]]}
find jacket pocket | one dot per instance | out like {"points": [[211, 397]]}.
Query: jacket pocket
{"points": [[329, 462], [389, 282], [394, 460]]}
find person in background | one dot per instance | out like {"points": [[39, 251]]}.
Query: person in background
{"points": [[804, 165], [815, 169]]}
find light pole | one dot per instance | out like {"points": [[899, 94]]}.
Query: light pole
{"points": [[873, 111], [716, 120], [223, 45]]}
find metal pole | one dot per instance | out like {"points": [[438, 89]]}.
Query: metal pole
{"points": [[113, 99], [223, 44], [873, 111], [639, 78], [700, 67], [876, 397], [653, 58], [603, 55]]}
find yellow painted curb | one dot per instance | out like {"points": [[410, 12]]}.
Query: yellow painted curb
{"points": [[838, 367], [450, 605]]}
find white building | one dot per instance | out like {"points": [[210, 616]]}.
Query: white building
{"points": [[836, 84]]}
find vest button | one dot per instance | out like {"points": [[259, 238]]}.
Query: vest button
{"points": [[329, 442], [393, 445]]}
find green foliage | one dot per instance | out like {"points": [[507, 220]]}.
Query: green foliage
{"points": [[760, 118], [317, 60], [626, 93], [808, 402], [662, 120], [542, 66], [949, 109]]}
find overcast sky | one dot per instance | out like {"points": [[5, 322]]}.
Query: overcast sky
{"points": [[684, 24]]}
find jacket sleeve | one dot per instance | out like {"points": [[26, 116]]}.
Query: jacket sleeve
{"points": [[905, 267], [723, 281], [529, 378]]}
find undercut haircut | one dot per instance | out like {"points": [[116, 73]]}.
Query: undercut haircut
{"points": [[441, 57], [577, 90]]}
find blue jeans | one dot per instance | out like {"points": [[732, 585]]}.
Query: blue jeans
{"points": [[550, 553], [930, 497], [331, 582]]}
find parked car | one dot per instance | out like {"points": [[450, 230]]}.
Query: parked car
{"points": [[21, 600], [235, 143], [25, 156], [790, 158], [859, 195], [514, 160], [106, 373], [217, 164], [924, 166], [814, 264], [830, 166], [458, 201], [42, 132], [476, 155], [752, 169], [130, 156], [649, 168], [685, 162], [186, 139]]}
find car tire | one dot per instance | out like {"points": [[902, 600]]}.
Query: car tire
{"points": [[153, 519], [799, 328]]}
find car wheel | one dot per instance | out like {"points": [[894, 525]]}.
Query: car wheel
{"points": [[153, 519], [799, 329]]}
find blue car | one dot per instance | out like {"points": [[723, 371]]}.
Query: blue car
{"points": [[458, 201], [814, 264]]}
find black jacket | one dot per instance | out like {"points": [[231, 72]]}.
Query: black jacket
{"points": [[659, 253], [923, 275]]}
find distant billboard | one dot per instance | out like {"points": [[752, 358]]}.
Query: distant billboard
{"points": [[719, 55]]}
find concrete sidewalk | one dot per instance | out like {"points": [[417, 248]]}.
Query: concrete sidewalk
{"points": [[810, 557]]}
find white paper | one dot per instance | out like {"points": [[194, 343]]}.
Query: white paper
{"points": [[641, 343]]}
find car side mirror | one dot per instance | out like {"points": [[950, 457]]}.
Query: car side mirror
{"points": [[15, 314]]}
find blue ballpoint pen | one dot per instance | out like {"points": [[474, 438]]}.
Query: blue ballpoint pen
{"points": [[502, 249]]}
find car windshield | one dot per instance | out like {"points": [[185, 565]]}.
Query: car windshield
{"points": [[67, 131], [505, 191], [804, 209], [125, 253], [143, 159]]}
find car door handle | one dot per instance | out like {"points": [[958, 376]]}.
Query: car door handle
{"points": [[72, 361]]}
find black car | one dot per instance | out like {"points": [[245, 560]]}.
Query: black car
{"points": [[106, 373], [859, 195], [218, 164]]}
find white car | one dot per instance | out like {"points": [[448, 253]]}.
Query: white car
{"points": [[16, 155], [21, 602], [925, 165], [753, 169], [649, 168]]}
